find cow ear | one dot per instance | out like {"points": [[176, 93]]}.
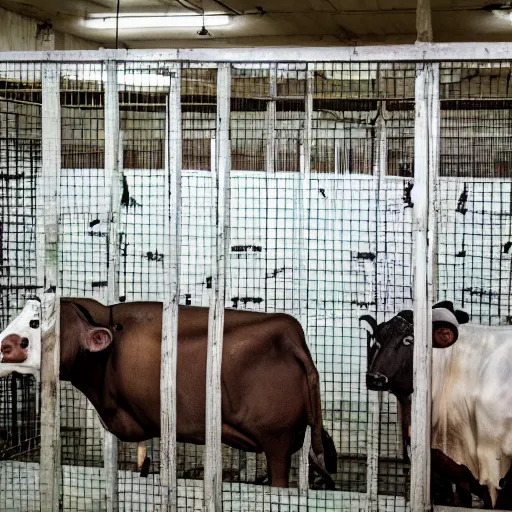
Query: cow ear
{"points": [[97, 339], [407, 315], [91, 338], [461, 316], [445, 304]]}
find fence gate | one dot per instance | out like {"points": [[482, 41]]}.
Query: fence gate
{"points": [[328, 185]]}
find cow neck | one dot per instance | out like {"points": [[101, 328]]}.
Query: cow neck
{"points": [[92, 372]]}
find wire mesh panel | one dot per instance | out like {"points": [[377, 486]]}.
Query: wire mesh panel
{"points": [[476, 123], [20, 165], [84, 243]]}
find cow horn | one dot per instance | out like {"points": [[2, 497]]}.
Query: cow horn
{"points": [[371, 322]]}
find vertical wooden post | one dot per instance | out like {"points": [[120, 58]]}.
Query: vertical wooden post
{"points": [[434, 150], [213, 453], [375, 397], [171, 300], [424, 33], [427, 99], [305, 171], [113, 181], [271, 120], [49, 479]]}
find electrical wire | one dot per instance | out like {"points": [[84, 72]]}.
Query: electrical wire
{"points": [[117, 24]]}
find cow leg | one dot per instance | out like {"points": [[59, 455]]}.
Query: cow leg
{"points": [[279, 458], [465, 498]]}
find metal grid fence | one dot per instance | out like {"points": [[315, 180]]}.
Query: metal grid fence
{"points": [[342, 220]]}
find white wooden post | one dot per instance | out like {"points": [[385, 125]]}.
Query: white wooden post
{"points": [[171, 299], [113, 182], [49, 476], [271, 120], [427, 99], [303, 246], [434, 152], [213, 453], [375, 397]]}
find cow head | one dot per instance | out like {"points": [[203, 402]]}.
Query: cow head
{"points": [[78, 333], [20, 342], [391, 344]]}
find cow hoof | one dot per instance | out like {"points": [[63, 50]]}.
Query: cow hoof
{"points": [[144, 470]]}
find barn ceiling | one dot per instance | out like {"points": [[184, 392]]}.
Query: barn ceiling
{"points": [[275, 22]]}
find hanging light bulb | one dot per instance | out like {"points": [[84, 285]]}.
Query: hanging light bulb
{"points": [[203, 31]]}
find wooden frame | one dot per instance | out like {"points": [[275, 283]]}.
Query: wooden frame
{"points": [[171, 299], [50, 354], [113, 181], [220, 175]]}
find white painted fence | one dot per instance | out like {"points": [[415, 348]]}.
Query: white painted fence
{"points": [[359, 249]]}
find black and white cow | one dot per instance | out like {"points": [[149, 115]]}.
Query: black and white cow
{"points": [[471, 395]]}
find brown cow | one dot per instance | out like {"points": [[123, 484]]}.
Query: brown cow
{"points": [[270, 386]]}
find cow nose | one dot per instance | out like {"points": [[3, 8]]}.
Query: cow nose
{"points": [[376, 381], [24, 343]]}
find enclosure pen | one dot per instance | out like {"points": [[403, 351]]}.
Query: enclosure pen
{"points": [[337, 187]]}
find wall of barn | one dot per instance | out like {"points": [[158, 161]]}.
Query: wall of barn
{"points": [[20, 33]]}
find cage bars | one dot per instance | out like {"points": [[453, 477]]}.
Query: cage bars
{"points": [[171, 299], [432, 152], [221, 172], [50, 354], [113, 181], [427, 100]]}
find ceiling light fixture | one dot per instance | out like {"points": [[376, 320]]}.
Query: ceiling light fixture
{"points": [[136, 21]]}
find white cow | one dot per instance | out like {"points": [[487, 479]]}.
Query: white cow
{"points": [[472, 402], [471, 388]]}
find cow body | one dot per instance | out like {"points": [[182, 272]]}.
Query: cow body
{"points": [[472, 402], [270, 387], [471, 399]]}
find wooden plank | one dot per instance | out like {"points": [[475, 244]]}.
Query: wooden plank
{"points": [[113, 182], [303, 243], [171, 299], [425, 52], [422, 275], [271, 121], [49, 479], [434, 162], [220, 175]]}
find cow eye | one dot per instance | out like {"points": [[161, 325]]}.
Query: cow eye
{"points": [[408, 340]]}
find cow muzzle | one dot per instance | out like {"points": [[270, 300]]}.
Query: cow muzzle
{"points": [[376, 382]]}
